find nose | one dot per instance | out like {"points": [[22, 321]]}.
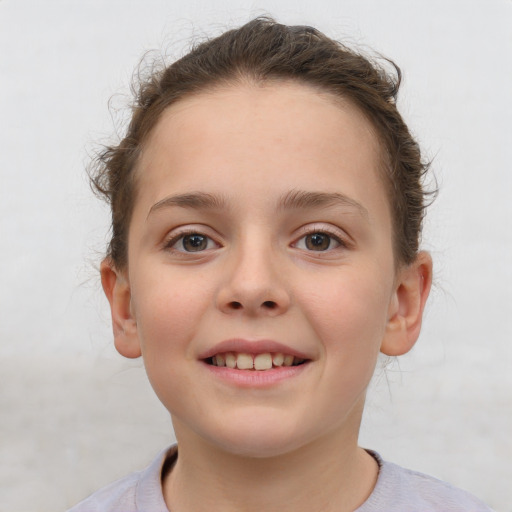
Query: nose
{"points": [[254, 284]]}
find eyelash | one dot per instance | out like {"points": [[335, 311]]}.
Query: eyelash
{"points": [[333, 236], [169, 244], [314, 230]]}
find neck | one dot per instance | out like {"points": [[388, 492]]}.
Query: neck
{"points": [[330, 474]]}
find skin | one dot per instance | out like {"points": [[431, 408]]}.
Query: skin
{"points": [[291, 445]]}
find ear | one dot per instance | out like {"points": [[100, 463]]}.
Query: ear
{"points": [[117, 289], [407, 305]]}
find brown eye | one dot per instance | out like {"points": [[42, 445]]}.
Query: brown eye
{"points": [[194, 242], [318, 241]]}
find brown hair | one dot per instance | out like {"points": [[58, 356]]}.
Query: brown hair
{"points": [[263, 50]]}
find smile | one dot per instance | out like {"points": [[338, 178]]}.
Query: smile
{"points": [[260, 362]]}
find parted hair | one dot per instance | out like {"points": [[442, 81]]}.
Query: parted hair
{"points": [[263, 51]]}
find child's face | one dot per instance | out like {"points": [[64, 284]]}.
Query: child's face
{"points": [[288, 240]]}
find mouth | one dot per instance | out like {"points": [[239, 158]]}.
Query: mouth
{"points": [[254, 362]]}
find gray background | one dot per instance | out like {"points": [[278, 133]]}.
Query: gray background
{"points": [[73, 414]]}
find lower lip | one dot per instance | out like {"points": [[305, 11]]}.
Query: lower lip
{"points": [[256, 378]]}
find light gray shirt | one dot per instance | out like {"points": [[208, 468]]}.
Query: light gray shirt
{"points": [[397, 490]]}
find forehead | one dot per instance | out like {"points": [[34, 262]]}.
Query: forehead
{"points": [[247, 134], [280, 104]]}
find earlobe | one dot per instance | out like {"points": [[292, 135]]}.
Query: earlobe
{"points": [[407, 306], [117, 289]]}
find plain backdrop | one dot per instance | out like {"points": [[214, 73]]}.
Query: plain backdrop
{"points": [[73, 414]]}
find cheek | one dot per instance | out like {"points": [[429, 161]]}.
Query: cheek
{"points": [[168, 311], [168, 307], [349, 315]]}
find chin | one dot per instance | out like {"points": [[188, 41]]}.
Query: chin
{"points": [[259, 440], [258, 448], [252, 431]]}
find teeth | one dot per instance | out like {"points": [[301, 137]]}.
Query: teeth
{"points": [[244, 362], [263, 362], [278, 359], [230, 360], [288, 360]]}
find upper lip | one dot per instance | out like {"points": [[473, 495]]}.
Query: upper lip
{"points": [[244, 346]]}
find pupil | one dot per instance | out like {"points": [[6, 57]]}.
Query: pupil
{"points": [[194, 242], [318, 242]]}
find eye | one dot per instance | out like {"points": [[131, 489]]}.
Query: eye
{"points": [[191, 242], [318, 241]]}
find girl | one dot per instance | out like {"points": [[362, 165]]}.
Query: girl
{"points": [[267, 204]]}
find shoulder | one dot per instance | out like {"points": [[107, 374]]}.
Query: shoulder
{"points": [[138, 492], [402, 490], [118, 495]]}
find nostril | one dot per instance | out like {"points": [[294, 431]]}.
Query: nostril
{"points": [[267, 305]]}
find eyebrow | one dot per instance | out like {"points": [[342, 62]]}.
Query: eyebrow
{"points": [[300, 199], [194, 200], [295, 199]]}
